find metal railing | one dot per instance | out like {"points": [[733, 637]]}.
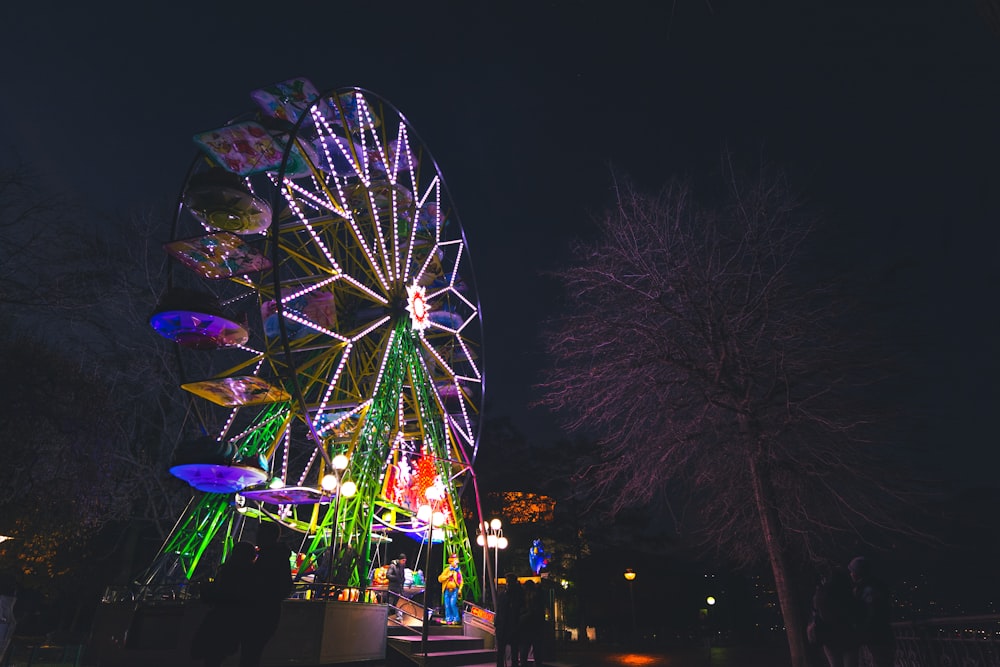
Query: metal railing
{"points": [[31, 651], [964, 641]]}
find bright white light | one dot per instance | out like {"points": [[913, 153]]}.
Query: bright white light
{"points": [[502, 543], [479, 540], [437, 519], [329, 482], [424, 513], [710, 600], [495, 524], [340, 462], [276, 483], [491, 541], [416, 297], [348, 489]]}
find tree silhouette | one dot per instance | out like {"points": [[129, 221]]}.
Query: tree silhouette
{"points": [[64, 478], [91, 403], [718, 367]]}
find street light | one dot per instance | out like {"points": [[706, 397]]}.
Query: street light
{"points": [[433, 520], [495, 540], [630, 577]]}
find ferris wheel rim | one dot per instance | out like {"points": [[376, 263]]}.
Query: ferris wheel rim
{"points": [[274, 231]]}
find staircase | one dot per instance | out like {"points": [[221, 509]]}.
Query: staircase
{"points": [[447, 646]]}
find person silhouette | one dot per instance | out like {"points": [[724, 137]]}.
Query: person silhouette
{"points": [[531, 624], [834, 615], [874, 608], [8, 598], [272, 583], [218, 635], [510, 600]]}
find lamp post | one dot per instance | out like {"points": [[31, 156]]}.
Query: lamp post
{"points": [[493, 539], [630, 578], [433, 520], [330, 483]]}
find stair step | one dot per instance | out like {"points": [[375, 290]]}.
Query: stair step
{"points": [[457, 658], [412, 645], [548, 663]]}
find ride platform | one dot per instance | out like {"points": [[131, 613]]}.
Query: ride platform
{"points": [[312, 632]]}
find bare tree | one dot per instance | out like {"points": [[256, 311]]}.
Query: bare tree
{"points": [[142, 367], [699, 343], [48, 248], [80, 287], [64, 482]]}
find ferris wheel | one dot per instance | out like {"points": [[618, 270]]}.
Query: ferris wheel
{"points": [[329, 330]]}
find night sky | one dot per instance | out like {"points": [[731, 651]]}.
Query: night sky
{"points": [[885, 113]]}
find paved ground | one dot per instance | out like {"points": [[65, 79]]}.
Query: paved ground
{"points": [[598, 656]]}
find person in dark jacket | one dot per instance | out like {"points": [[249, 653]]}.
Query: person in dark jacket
{"points": [[874, 608], [228, 597], [510, 601], [834, 615], [272, 583], [396, 574], [531, 624]]}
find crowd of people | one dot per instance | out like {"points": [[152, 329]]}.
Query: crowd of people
{"points": [[851, 614], [520, 623]]}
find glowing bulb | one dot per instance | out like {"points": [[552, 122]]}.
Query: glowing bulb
{"points": [[479, 540], [276, 483], [502, 543], [340, 462], [491, 541], [329, 482], [424, 513], [495, 524], [710, 600], [437, 519], [348, 489]]}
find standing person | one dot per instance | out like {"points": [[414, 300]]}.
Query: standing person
{"points": [[451, 586], [834, 614], [531, 624], [272, 583], [344, 564], [510, 600], [396, 574], [8, 596], [874, 608], [228, 596]]}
